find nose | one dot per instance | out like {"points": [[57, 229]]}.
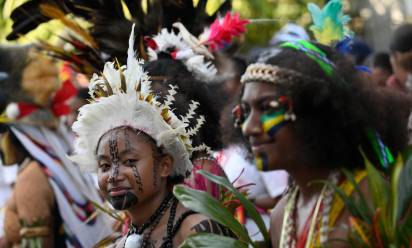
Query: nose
{"points": [[115, 174], [252, 126]]}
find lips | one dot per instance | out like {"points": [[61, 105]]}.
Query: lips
{"points": [[259, 146], [118, 191]]}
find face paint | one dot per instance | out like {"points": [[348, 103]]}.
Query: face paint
{"points": [[262, 162], [123, 202], [272, 122], [155, 176], [126, 139], [114, 156], [138, 178]]}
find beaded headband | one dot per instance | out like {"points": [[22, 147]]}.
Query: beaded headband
{"points": [[269, 73]]}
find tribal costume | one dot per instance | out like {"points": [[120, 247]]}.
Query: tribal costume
{"points": [[52, 202]]}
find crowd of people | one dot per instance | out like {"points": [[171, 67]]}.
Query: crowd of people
{"points": [[95, 136]]}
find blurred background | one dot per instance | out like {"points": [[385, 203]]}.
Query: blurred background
{"points": [[372, 20]]}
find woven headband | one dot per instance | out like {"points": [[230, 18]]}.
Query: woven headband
{"points": [[270, 73]]}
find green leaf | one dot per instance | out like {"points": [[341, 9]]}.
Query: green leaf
{"points": [[380, 192], [249, 206], [203, 203], [208, 240], [356, 209], [363, 205], [404, 192], [396, 172]]}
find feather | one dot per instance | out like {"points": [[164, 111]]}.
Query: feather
{"points": [[329, 22], [108, 33], [170, 97], [200, 121], [56, 13], [190, 113], [222, 31], [344, 46]]}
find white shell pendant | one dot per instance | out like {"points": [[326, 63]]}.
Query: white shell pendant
{"points": [[133, 241]]}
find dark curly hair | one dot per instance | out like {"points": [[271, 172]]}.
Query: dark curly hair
{"points": [[335, 112], [165, 72]]}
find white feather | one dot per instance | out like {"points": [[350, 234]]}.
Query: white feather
{"points": [[125, 109]]}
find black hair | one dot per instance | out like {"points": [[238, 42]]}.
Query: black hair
{"points": [[335, 112], [83, 93], [401, 39], [382, 60], [165, 72]]}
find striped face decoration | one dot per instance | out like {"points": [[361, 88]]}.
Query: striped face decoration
{"points": [[275, 120], [262, 162]]}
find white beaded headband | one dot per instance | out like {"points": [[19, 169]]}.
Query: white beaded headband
{"points": [[269, 73]]}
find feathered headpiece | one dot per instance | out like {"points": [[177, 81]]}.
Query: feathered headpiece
{"points": [[329, 22], [122, 97], [109, 25], [194, 52]]}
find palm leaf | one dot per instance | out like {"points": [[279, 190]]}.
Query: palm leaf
{"points": [[381, 197], [354, 207], [396, 172], [203, 203], [208, 240], [404, 189], [249, 207], [363, 205]]}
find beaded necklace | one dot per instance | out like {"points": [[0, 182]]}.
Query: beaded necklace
{"points": [[288, 237], [212, 159], [134, 235]]}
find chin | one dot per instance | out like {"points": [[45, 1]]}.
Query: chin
{"points": [[123, 202]]}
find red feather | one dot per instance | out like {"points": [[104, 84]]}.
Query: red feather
{"points": [[223, 30]]}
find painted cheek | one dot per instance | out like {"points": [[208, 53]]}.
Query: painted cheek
{"points": [[271, 123], [137, 179], [262, 162]]}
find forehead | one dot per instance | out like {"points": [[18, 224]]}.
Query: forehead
{"points": [[255, 91], [124, 138]]}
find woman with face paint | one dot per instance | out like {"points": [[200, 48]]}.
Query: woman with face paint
{"points": [[308, 111], [140, 149]]}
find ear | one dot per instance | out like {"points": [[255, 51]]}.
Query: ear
{"points": [[165, 166]]}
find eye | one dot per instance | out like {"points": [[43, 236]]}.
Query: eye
{"points": [[244, 112], [270, 106], [131, 162], [104, 167]]}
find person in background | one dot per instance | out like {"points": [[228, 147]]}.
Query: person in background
{"points": [[52, 201], [307, 110], [401, 59], [382, 69]]}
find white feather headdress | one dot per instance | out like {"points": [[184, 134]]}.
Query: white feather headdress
{"points": [[186, 48], [123, 97]]}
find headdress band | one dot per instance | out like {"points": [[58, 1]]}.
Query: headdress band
{"points": [[269, 73]]}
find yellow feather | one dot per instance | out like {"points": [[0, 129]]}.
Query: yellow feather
{"points": [[53, 12], [328, 34]]}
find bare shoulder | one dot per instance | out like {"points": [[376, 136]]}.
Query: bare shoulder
{"points": [[276, 219], [32, 189]]}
